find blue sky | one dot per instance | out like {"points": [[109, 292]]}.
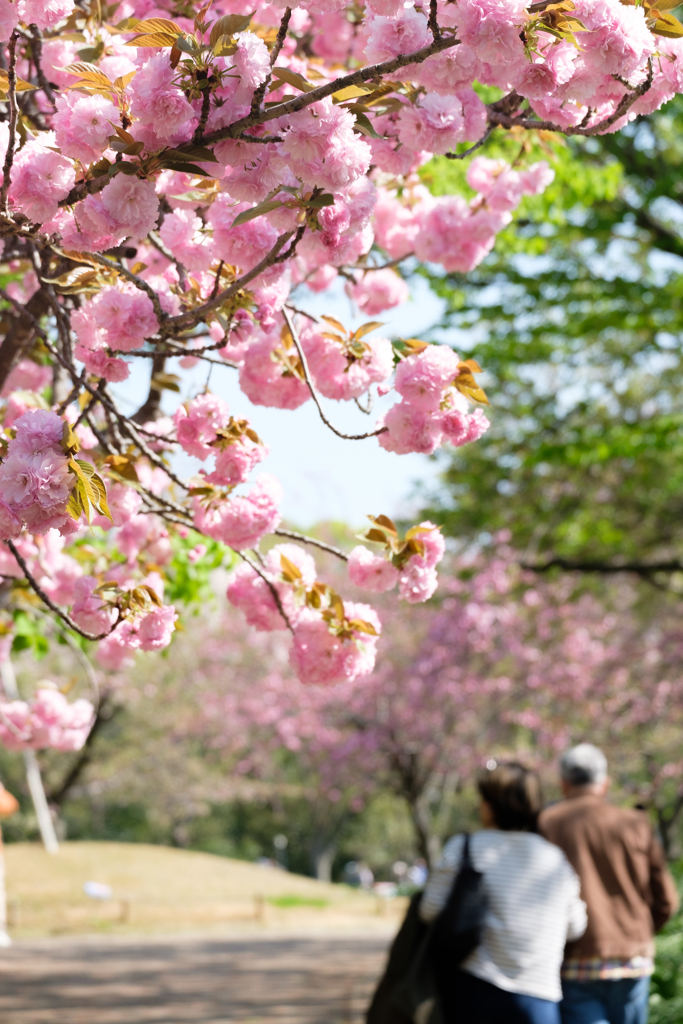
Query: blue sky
{"points": [[324, 477]]}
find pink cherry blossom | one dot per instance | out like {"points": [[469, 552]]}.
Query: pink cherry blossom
{"points": [[131, 205], [37, 431], [44, 13], [241, 521], [9, 17], [117, 650], [370, 571], [418, 581], [10, 523], [321, 149], [340, 374], [379, 290], [254, 597], [155, 628], [266, 379], [27, 376], [88, 610], [82, 125], [252, 59], [156, 101], [422, 378], [244, 245], [441, 122], [235, 462], [40, 179], [390, 36], [491, 28], [409, 429], [318, 656], [197, 423], [126, 315]]}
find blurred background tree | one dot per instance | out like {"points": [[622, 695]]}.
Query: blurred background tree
{"points": [[577, 319]]}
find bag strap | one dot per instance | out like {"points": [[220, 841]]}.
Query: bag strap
{"points": [[466, 858]]}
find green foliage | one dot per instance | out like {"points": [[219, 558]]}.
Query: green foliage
{"points": [[292, 900], [666, 998], [189, 583], [577, 318], [29, 635]]}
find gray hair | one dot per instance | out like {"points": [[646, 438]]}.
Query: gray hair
{"points": [[583, 765]]}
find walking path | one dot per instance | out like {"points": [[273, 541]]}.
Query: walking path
{"points": [[287, 980]]}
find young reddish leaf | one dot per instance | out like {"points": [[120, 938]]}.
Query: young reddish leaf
{"points": [[367, 328], [384, 521], [334, 323]]}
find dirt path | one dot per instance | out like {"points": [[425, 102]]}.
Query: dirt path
{"points": [[238, 981]]}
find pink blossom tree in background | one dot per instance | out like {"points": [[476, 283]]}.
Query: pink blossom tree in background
{"points": [[504, 666], [170, 176]]}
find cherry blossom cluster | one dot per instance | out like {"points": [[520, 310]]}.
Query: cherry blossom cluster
{"points": [[48, 720], [175, 182]]}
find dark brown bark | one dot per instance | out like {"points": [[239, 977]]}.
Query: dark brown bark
{"points": [[104, 714], [20, 335], [151, 410]]}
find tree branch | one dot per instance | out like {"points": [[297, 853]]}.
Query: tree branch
{"points": [[359, 77], [293, 535], [314, 395], [50, 603], [12, 97], [606, 568]]}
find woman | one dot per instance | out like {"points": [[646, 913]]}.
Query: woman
{"points": [[533, 908]]}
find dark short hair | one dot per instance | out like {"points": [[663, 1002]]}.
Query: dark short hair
{"points": [[514, 795]]}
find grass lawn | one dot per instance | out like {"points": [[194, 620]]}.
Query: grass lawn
{"points": [[160, 890]]}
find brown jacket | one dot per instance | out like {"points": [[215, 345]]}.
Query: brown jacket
{"points": [[625, 883]]}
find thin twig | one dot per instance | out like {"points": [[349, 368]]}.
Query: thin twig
{"points": [[160, 247], [293, 535], [360, 77], [192, 318], [496, 116], [134, 279], [433, 22], [314, 395], [37, 52], [259, 94], [271, 587], [12, 97], [50, 603], [472, 149]]}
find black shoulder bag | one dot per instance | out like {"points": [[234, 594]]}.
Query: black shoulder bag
{"points": [[459, 928], [424, 959]]}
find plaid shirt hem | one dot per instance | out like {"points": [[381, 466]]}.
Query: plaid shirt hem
{"points": [[607, 970]]}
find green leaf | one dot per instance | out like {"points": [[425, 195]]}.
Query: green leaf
{"points": [[256, 211], [191, 153], [228, 26], [317, 202], [364, 126], [188, 168], [182, 43], [292, 78], [668, 26]]}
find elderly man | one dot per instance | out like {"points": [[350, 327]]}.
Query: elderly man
{"points": [[627, 888]]}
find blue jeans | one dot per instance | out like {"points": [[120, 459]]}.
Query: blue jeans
{"points": [[473, 1001], [605, 1002]]}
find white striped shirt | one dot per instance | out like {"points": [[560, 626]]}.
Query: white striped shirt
{"points": [[533, 908]]}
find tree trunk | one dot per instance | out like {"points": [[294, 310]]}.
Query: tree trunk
{"points": [[428, 844], [20, 334], [323, 858], [151, 410]]}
